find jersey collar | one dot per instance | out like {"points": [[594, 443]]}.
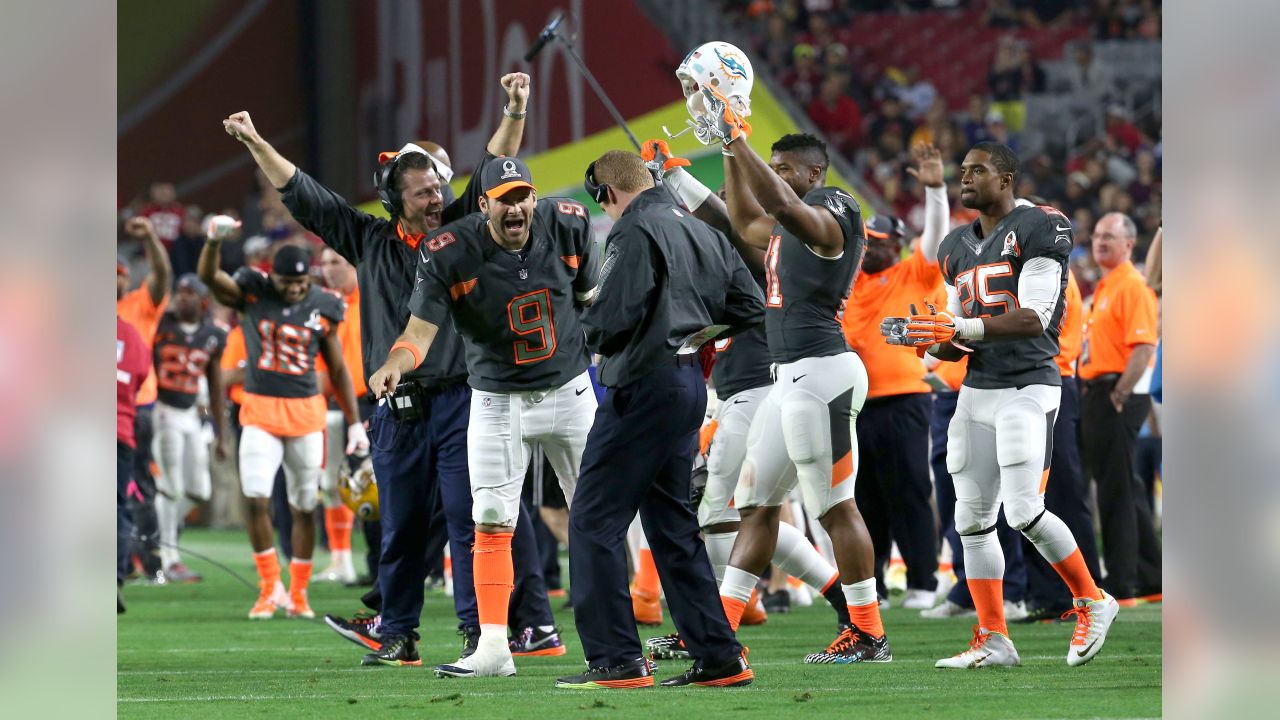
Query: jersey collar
{"points": [[413, 240]]}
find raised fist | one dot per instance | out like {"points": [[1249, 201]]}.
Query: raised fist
{"points": [[240, 126], [516, 86], [139, 227]]}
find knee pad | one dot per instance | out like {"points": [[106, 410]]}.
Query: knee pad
{"points": [[304, 496], [489, 506], [806, 430], [1020, 433], [1023, 509], [972, 518], [957, 445]]}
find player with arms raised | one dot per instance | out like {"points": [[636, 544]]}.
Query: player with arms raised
{"points": [[1005, 274], [804, 431], [513, 278]]}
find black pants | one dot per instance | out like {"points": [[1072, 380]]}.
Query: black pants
{"points": [[893, 490], [1129, 542], [1067, 496], [124, 524], [142, 506], [638, 457]]}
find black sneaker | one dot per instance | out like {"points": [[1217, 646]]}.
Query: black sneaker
{"points": [[777, 602], [470, 641], [667, 647], [361, 629], [396, 650], [1043, 614], [534, 641], [734, 673], [851, 646], [635, 674]]}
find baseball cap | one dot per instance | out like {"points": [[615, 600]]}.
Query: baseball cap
{"points": [[192, 281], [291, 260], [885, 227], [504, 174]]}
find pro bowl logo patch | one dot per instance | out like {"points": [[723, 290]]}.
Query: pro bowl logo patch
{"points": [[732, 65], [509, 170], [1010, 245]]}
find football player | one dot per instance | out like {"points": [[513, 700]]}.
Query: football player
{"points": [[1005, 274], [803, 432], [188, 349], [288, 322], [513, 277]]}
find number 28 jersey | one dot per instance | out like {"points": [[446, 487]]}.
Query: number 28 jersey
{"points": [[182, 358], [985, 272], [516, 312], [805, 293], [282, 340]]}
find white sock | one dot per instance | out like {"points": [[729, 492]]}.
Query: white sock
{"points": [[983, 558], [861, 593], [798, 558], [738, 584], [1052, 538], [167, 523], [719, 546]]}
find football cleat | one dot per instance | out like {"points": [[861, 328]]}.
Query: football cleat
{"points": [[1093, 620], [647, 608], [299, 607], [470, 641], [1015, 611], [180, 573], [344, 573], [533, 641], [734, 673], [754, 612], [361, 629], [489, 660], [1044, 615], [630, 675], [918, 600], [271, 597], [777, 602], [667, 647], [852, 646], [396, 651], [987, 649], [947, 609]]}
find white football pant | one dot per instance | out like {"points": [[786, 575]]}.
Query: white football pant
{"points": [[261, 455]]}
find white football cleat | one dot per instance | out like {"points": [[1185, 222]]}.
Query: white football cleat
{"points": [[1093, 620], [918, 600], [947, 609], [490, 659], [988, 649], [1015, 611], [337, 573]]}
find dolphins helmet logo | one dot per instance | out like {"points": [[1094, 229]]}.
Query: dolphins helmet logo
{"points": [[732, 65]]}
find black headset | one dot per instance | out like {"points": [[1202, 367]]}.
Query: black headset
{"points": [[597, 190], [391, 199]]}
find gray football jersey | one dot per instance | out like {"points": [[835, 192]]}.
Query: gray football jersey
{"points": [[742, 361], [517, 312], [985, 271], [282, 340], [805, 293]]}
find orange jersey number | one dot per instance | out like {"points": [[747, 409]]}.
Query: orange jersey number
{"points": [[284, 348], [530, 317], [180, 368]]}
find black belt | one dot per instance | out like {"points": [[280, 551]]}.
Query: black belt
{"points": [[1111, 378], [686, 359]]}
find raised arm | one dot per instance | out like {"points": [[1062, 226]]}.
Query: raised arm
{"points": [[814, 226], [224, 287], [749, 220], [274, 165], [506, 139], [161, 275], [937, 208]]}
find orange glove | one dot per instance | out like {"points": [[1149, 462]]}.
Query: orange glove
{"points": [[657, 155], [727, 124], [933, 327], [705, 435]]}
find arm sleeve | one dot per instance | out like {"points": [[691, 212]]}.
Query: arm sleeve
{"points": [[627, 278], [744, 303], [325, 213], [953, 301], [937, 214], [1039, 286], [430, 298], [469, 201]]}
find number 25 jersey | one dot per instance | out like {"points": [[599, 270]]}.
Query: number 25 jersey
{"points": [[282, 340], [516, 312], [985, 272]]}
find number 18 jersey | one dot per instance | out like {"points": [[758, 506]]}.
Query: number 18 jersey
{"points": [[282, 340], [516, 312]]}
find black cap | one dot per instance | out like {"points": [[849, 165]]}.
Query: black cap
{"points": [[504, 174], [291, 260], [885, 227], [192, 281]]}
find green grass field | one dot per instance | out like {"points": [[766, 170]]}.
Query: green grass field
{"points": [[188, 651]]}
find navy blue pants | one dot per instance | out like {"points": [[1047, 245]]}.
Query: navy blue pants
{"points": [[124, 524], [1015, 566], [413, 461], [639, 456], [1066, 495], [893, 489]]}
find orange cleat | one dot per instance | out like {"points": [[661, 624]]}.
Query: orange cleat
{"points": [[299, 607], [271, 597], [647, 608], [754, 614]]}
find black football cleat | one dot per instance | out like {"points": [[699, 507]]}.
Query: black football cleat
{"points": [[635, 674], [852, 646], [470, 641], [535, 642], [397, 650], [734, 673], [777, 602], [361, 629]]}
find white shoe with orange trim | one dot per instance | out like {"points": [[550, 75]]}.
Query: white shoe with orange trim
{"points": [[1093, 620], [988, 649]]}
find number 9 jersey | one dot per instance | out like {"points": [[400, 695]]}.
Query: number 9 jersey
{"points": [[282, 340], [517, 312]]}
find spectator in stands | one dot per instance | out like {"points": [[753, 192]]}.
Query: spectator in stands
{"points": [[186, 249], [1077, 196], [932, 125], [998, 129], [1123, 131], [1041, 13], [165, 212], [820, 34], [1000, 14], [1089, 81], [1147, 183], [775, 47], [891, 123], [837, 115], [835, 59], [804, 78], [1008, 81], [917, 94], [974, 122]]}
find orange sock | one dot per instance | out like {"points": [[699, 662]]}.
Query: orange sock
{"points": [[733, 609], [268, 566], [867, 618], [1075, 573], [337, 525], [988, 598], [299, 576], [646, 579], [494, 577]]}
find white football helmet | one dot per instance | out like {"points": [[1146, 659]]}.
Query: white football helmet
{"points": [[723, 67]]}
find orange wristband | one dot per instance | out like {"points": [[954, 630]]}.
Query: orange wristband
{"points": [[417, 359]]}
